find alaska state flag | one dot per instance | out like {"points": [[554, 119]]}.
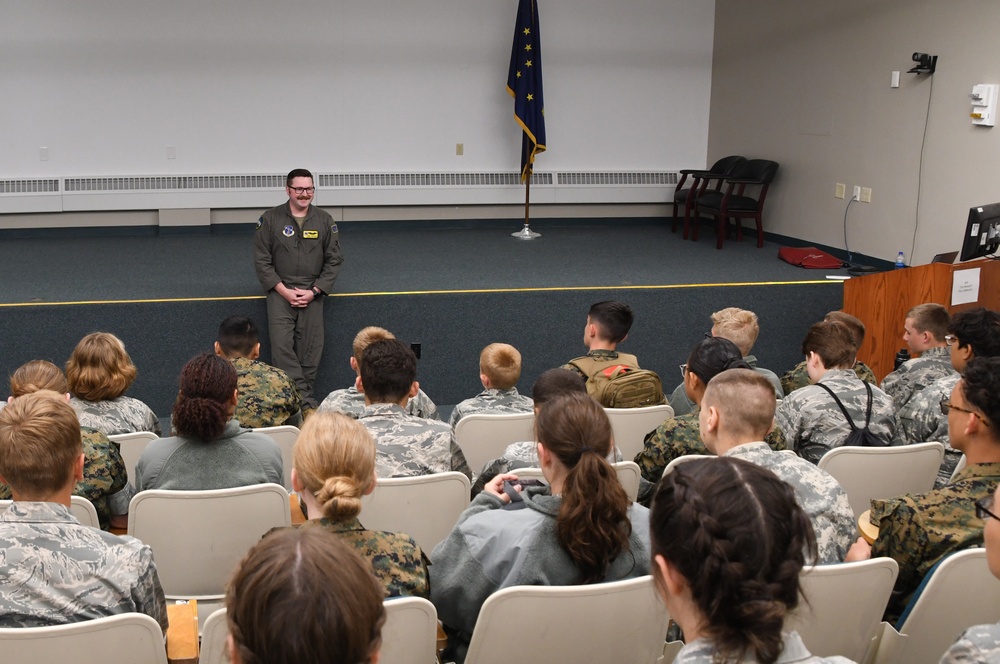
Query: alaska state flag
{"points": [[524, 83]]}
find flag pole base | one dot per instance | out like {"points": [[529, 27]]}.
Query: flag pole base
{"points": [[526, 234]]}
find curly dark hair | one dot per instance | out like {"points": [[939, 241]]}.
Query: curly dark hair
{"points": [[204, 404]]}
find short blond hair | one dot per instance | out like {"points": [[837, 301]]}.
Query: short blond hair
{"points": [[37, 375], [366, 338], [40, 442], [99, 368], [738, 325], [501, 363], [746, 401], [334, 460]]}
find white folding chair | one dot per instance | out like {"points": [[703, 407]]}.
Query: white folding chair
{"points": [[959, 467], [132, 446], [213, 639], [622, 621], [425, 507], [630, 426], [883, 472], [485, 436], [409, 635], [129, 638], [842, 609], [285, 436], [628, 475], [960, 593], [198, 537], [684, 459], [79, 507]]}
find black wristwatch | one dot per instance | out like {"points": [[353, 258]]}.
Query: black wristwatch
{"points": [[317, 292]]}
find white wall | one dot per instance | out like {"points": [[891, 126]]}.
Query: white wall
{"points": [[807, 84], [345, 85]]}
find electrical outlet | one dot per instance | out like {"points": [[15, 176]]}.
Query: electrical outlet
{"points": [[43, 154], [857, 194], [416, 350], [841, 190], [866, 194], [459, 149]]}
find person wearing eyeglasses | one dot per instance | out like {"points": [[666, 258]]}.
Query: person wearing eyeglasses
{"points": [[297, 259], [917, 531], [973, 333]]}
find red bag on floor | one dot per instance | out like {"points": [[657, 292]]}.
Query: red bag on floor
{"points": [[809, 257]]}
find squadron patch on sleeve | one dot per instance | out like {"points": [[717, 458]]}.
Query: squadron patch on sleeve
{"points": [[260, 222]]}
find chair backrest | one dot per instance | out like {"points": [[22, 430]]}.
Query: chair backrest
{"points": [[425, 507], [623, 621], [961, 592], [726, 165], [883, 472], [285, 436], [959, 467], [628, 475], [213, 639], [843, 606], [761, 171], [409, 635], [132, 446], [684, 459], [129, 638], [630, 426], [484, 436], [198, 537], [79, 507]]}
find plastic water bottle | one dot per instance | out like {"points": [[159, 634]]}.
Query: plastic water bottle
{"points": [[900, 261]]}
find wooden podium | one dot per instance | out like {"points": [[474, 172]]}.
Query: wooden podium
{"points": [[882, 300]]}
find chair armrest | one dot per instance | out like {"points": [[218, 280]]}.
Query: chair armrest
{"points": [[695, 172]]}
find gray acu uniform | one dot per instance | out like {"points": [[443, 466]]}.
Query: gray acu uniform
{"points": [[116, 416], [299, 258], [813, 424], [820, 496], [406, 445], [980, 643], [916, 374], [921, 420], [350, 402], [492, 401]]}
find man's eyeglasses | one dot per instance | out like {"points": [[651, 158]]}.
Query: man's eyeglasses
{"points": [[984, 507], [950, 339], [303, 190], [947, 405], [684, 370]]}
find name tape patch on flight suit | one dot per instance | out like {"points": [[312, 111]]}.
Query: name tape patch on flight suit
{"points": [[288, 231], [310, 235]]}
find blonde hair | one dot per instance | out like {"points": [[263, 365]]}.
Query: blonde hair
{"points": [[39, 443], [738, 325], [502, 365], [37, 375], [99, 368], [366, 338], [334, 460]]}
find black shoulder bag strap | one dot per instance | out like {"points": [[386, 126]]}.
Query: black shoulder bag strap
{"points": [[840, 404]]}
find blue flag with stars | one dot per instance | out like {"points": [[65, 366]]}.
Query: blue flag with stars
{"points": [[524, 83]]}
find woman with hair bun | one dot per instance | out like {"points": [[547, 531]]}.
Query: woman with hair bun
{"points": [[581, 528], [99, 372], [211, 450], [334, 466], [728, 541]]}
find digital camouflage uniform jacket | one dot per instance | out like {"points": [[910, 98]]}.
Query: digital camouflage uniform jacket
{"points": [[921, 420], [492, 401], [350, 402], [979, 644], [267, 396], [54, 571], [115, 416], [916, 374], [917, 531], [397, 561], [793, 651], [798, 377], [406, 445], [105, 478]]}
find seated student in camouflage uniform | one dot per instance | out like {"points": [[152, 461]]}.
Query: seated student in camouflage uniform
{"points": [[811, 420], [105, 478], [798, 377], [499, 371], [267, 396], [99, 372], [607, 326], [924, 331], [53, 570], [680, 436], [981, 643], [917, 531], [406, 445], [741, 327], [737, 411], [551, 384], [973, 333], [334, 466], [351, 402]]}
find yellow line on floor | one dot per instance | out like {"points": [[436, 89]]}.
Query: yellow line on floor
{"points": [[422, 292]]}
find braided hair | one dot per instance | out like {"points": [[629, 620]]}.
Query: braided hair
{"points": [[204, 405]]}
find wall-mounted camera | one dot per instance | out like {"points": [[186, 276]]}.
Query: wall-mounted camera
{"points": [[926, 64]]}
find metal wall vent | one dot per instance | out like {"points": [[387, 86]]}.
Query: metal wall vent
{"points": [[619, 178], [28, 186], [187, 182], [429, 179]]}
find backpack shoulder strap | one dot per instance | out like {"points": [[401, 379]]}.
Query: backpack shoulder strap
{"points": [[840, 404], [868, 413], [586, 365]]}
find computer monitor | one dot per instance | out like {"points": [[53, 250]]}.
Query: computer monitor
{"points": [[982, 232]]}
